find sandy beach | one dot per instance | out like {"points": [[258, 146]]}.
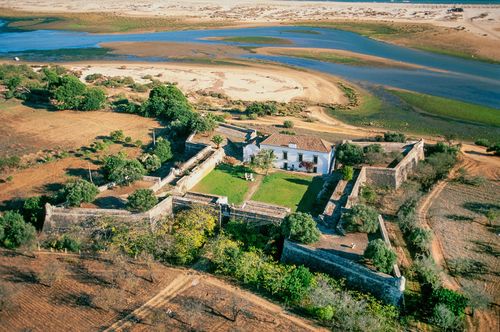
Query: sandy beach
{"points": [[478, 19], [239, 82]]}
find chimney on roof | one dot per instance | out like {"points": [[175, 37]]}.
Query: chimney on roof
{"points": [[292, 145]]}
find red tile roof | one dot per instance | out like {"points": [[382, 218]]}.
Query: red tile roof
{"points": [[308, 143]]}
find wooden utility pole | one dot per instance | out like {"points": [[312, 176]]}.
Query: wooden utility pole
{"points": [[90, 175]]}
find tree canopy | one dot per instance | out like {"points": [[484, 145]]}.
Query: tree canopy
{"points": [[123, 171], [163, 150], [300, 227], [141, 200], [361, 218], [14, 231], [79, 191], [264, 160], [382, 257], [350, 154]]}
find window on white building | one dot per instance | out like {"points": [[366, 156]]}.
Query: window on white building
{"points": [[301, 156], [285, 155], [315, 159]]}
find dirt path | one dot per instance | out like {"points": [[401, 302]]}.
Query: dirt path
{"points": [[436, 246], [178, 285], [253, 187], [254, 299]]}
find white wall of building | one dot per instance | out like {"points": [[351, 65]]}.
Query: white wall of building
{"points": [[323, 166]]}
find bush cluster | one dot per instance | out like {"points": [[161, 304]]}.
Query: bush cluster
{"points": [[361, 218], [14, 231]]}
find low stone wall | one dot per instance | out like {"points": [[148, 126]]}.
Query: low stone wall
{"points": [[354, 196], [258, 213], [388, 288], [199, 172]]}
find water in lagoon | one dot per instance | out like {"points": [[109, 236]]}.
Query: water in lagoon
{"points": [[470, 81]]}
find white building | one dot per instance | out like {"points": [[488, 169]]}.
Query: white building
{"points": [[295, 152]]}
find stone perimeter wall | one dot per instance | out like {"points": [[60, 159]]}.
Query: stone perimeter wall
{"points": [[388, 288], [387, 177], [62, 218]]}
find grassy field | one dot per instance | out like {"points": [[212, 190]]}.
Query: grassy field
{"points": [[97, 22], [227, 181], [296, 191], [322, 56], [451, 108], [383, 109], [256, 40]]}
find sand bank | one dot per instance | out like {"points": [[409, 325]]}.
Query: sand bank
{"points": [[244, 81]]}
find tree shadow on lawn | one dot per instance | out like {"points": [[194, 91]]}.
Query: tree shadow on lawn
{"points": [[309, 198], [236, 171]]}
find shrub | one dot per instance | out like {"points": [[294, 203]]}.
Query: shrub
{"points": [[93, 99], [128, 139], [407, 215], [68, 92], [482, 142], [420, 239], [16, 232], [347, 173], [123, 171], [382, 257], [288, 124], [141, 200], [495, 148], [151, 162], [394, 137], [79, 191], [361, 218], [261, 109], [373, 148], [64, 242], [300, 227], [445, 319], [296, 284], [454, 301], [427, 271], [368, 194], [217, 139], [117, 136], [203, 124], [350, 154], [34, 209], [163, 149], [9, 162]]}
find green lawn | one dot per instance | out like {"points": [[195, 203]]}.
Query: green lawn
{"points": [[292, 190], [225, 180]]}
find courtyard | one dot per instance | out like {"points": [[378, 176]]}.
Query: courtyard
{"points": [[290, 189]]}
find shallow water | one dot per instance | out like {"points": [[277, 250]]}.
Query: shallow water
{"points": [[467, 80]]}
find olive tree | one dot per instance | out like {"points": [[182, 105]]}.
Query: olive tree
{"points": [[79, 191], [163, 150], [264, 160], [141, 200], [300, 227], [16, 232], [361, 218], [382, 257]]}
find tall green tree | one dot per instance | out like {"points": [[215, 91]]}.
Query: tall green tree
{"points": [[264, 160], [300, 227], [163, 149], [68, 92], [16, 232], [382, 257], [79, 191]]}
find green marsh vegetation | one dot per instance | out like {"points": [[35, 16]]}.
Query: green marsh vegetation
{"points": [[421, 114], [96, 22]]}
